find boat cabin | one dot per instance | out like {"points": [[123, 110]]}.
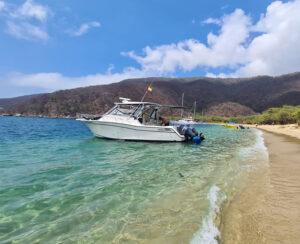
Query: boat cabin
{"points": [[144, 112]]}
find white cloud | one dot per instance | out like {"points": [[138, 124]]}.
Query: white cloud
{"points": [[26, 31], [30, 9], [2, 6], [224, 49], [56, 81], [275, 49], [84, 28], [27, 21], [212, 21]]}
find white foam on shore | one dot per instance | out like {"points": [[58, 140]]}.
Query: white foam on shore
{"points": [[258, 151], [260, 143], [209, 233]]}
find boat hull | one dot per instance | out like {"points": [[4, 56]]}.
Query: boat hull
{"points": [[121, 131]]}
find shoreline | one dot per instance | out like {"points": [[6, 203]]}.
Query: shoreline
{"points": [[292, 130], [267, 209]]}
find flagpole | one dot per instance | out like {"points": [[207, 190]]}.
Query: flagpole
{"points": [[146, 92]]}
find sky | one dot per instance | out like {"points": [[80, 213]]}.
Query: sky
{"points": [[62, 44]]}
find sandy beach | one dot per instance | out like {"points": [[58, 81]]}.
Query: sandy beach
{"points": [[267, 209], [288, 130]]}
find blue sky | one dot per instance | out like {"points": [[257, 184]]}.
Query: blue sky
{"points": [[61, 44]]}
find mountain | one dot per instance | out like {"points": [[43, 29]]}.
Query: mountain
{"points": [[6, 103], [229, 109], [240, 95]]}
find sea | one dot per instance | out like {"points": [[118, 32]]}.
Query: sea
{"points": [[60, 184]]}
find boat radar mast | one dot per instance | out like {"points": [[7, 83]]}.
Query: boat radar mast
{"points": [[124, 99]]}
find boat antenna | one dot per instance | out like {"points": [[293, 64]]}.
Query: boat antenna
{"points": [[195, 109], [142, 99], [146, 91], [182, 105]]}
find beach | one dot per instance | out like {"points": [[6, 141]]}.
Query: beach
{"points": [[288, 130], [267, 209]]}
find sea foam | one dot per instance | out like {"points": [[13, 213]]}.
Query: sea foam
{"points": [[209, 233], [258, 151], [260, 143]]}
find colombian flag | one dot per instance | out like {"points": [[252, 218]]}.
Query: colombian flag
{"points": [[149, 89]]}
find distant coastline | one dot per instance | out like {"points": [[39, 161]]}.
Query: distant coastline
{"points": [[37, 116]]}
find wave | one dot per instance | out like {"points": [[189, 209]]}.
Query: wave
{"points": [[258, 152], [209, 233]]}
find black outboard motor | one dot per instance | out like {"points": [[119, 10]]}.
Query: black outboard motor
{"points": [[190, 134]]}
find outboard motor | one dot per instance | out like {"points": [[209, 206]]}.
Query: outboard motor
{"points": [[190, 134]]}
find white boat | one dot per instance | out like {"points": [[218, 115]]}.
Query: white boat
{"points": [[187, 121], [138, 121]]}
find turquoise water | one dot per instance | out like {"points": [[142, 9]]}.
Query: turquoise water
{"points": [[59, 184]]}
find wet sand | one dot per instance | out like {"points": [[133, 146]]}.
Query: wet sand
{"points": [[267, 209]]}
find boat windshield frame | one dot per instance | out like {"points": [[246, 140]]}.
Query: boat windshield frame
{"points": [[136, 109]]}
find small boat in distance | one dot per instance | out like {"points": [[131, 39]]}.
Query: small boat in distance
{"points": [[189, 120], [138, 121], [232, 125]]}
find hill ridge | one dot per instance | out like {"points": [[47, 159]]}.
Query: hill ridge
{"points": [[254, 93]]}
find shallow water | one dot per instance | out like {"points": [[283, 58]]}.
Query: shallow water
{"points": [[60, 184]]}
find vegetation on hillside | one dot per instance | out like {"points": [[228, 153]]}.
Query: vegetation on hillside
{"points": [[216, 96], [283, 115]]}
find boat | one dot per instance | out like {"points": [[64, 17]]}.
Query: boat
{"points": [[232, 125], [185, 121], [138, 121], [229, 126]]}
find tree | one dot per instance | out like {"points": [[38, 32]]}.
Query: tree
{"points": [[284, 117]]}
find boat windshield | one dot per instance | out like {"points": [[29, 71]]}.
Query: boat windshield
{"points": [[146, 113], [122, 109], [135, 110]]}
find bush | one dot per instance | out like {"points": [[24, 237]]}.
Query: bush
{"points": [[284, 115]]}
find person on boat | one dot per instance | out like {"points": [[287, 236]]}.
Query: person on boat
{"points": [[163, 121]]}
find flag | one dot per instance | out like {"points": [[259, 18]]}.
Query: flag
{"points": [[149, 89]]}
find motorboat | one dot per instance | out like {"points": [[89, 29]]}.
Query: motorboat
{"points": [[138, 121], [232, 125]]}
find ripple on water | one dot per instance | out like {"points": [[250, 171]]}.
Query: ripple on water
{"points": [[59, 184]]}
